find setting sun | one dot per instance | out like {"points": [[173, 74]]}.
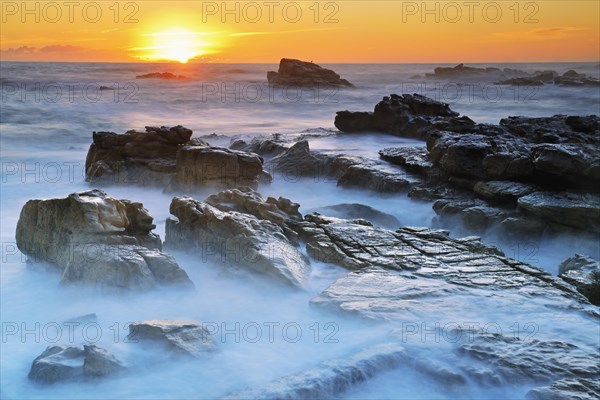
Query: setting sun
{"points": [[174, 45]]}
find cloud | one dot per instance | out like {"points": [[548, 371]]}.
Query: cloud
{"points": [[283, 32], [60, 52], [20, 50], [542, 33]]}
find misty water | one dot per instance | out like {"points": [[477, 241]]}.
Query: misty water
{"points": [[49, 111]]}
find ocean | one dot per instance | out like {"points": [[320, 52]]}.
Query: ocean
{"points": [[48, 114]]}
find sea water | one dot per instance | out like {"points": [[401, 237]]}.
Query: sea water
{"points": [[48, 113]]}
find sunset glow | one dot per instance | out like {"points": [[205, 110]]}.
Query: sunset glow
{"points": [[175, 45], [379, 31]]}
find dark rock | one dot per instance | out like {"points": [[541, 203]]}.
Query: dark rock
{"points": [[305, 74], [583, 273], [202, 166], [95, 239], [581, 211], [60, 363], [144, 158], [405, 115], [298, 161], [182, 337], [503, 190], [160, 75], [411, 158]]}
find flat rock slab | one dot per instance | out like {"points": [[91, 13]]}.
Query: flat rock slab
{"points": [[331, 378]]}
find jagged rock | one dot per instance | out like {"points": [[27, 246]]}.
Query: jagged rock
{"points": [[95, 239], [145, 158], [581, 211], [519, 360], [183, 337], [360, 172], [583, 273], [359, 211], [60, 363], [462, 71], [568, 389], [305, 74], [270, 146], [411, 158], [405, 115], [236, 239], [331, 378], [502, 191], [201, 166], [298, 161], [444, 267], [567, 161], [555, 129]]}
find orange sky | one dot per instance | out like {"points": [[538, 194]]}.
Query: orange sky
{"points": [[325, 31]]}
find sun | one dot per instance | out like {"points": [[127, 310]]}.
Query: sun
{"points": [[173, 45]]}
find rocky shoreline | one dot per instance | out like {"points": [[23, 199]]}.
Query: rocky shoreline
{"points": [[525, 176]]}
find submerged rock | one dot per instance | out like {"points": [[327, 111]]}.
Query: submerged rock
{"points": [[332, 378], [238, 239], [183, 337], [583, 273], [567, 389], [60, 363], [305, 74], [98, 240]]}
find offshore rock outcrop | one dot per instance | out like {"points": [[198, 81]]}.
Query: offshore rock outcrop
{"points": [[510, 76], [97, 240], [305, 74]]}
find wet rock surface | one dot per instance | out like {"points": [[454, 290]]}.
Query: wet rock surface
{"points": [[61, 363], [182, 337], [239, 239], [532, 173], [97, 240], [567, 389], [584, 273], [305, 74], [359, 211], [331, 378]]}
